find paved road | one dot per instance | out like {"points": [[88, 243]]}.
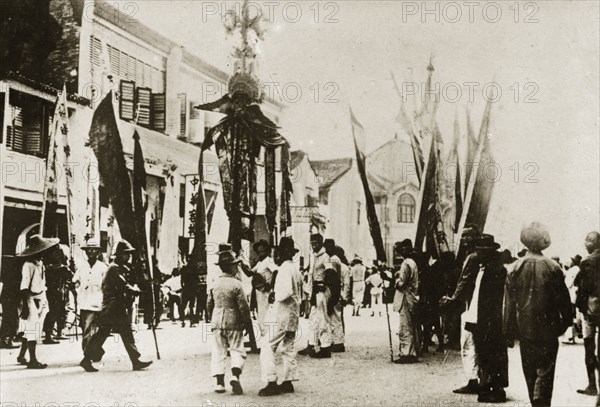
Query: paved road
{"points": [[363, 376]]}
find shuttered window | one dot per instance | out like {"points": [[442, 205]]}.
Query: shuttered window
{"points": [[182, 113], [127, 67], [159, 111], [144, 105], [127, 100], [15, 139]]}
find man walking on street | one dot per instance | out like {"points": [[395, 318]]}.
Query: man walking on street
{"points": [[115, 314], [405, 301], [336, 318], [537, 320], [88, 281], [281, 322], [230, 317]]}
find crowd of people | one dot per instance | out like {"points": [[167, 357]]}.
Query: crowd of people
{"points": [[480, 302]]}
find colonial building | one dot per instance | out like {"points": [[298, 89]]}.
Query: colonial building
{"points": [[304, 204], [157, 82], [394, 185]]}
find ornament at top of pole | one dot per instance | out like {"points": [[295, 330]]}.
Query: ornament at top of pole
{"points": [[244, 84]]}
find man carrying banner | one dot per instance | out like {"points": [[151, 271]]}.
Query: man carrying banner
{"points": [[115, 313]]}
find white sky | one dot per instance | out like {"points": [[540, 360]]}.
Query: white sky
{"points": [[553, 62]]}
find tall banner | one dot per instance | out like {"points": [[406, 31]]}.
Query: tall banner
{"points": [[358, 134], [479, 192], [106, 143], [139, 207], [426, 204], [458, 200], [49, 220], [64, 130]]}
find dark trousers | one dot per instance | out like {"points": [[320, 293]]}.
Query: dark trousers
{"points": [[87, 321], [173, 300], [492, 358], [10, 318], [94, 350], [201, 302], [57, 312], [539, 362], [188, 298]]}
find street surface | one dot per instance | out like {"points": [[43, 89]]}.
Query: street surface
{"points": [[363, 376]]}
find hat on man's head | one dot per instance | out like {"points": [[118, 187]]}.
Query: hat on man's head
{"points": [[486, 242], [123, 247], [261, 243], [227, 257], [316, 236], [406, 244], [470, 233], [329, 242], [287, 245], [576, 259], [37, 244], [224, 247], [357, 259], [91, 245], [535, 237]]}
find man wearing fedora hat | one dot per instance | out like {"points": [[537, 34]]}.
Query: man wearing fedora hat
{"points": [[537, 320], [88, 282], [485, 322], [281, 321], [230, 317], [461, 298], [115, 312], [33, 294]]}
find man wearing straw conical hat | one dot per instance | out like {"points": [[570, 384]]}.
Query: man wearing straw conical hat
{"points": [[115, 312], [537, 320], [33, 291]]}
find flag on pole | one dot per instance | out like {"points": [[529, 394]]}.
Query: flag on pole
{"points": [[358, 134], [406, 123], [49, 220], [479, 192], [472, 144], [458, 200], [64, 129], [426, 203], [139, 207], [106, 143]]}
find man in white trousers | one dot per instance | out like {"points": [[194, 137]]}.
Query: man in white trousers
{"points": [[462, 297], [281, 324]]}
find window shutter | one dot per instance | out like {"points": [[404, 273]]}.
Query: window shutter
{"points": [[159, 111], [15, 135], [114, 56], [33, 128], [127, 100], [182, 113], [144, 104], [95, 51], [2, 96]]}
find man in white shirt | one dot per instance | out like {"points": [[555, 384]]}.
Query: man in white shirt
{"points": [[172, 288], [281, 324], [262, 285], [88, 281]]}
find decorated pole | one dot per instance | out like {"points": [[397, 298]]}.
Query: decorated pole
{"points": [[239, 138]]}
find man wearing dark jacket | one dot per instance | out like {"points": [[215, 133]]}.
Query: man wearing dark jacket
{"points": [[115, 314], [537, 320], [588, 302]]}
